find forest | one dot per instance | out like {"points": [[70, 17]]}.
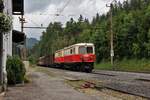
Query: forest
{"points": [[131, 28]]}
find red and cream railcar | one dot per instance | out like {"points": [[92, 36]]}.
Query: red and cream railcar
{"points": [[79, 57]]}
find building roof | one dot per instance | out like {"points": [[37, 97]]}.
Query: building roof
{"points": [[18, 36]]}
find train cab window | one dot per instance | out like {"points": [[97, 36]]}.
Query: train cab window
{"points": [[89, 49], [82, 50]]}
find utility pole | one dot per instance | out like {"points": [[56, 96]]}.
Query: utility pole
{"points": [[111, 36], [22, 21]]}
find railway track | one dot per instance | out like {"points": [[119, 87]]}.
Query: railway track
{"points": [[128, 92], [136, 84], [105, 74]]}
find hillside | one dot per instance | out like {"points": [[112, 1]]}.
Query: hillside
{"points": [[30, 42]]}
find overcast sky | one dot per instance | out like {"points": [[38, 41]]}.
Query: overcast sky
{"points": [[43, 12]]}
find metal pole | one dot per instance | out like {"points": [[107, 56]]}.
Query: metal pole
{"points": [[22, 23]]}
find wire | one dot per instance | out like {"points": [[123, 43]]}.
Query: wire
{"points": [[59, 13], [110, 1], [64, 6], [47, 10], [62, 9], [32, 21]]}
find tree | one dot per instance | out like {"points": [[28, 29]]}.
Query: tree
{"points": [[131, 21]]}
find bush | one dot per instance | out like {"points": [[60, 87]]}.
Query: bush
{"points": [[32, 60], [15, 70]]}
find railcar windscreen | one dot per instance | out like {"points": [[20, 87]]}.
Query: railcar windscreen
{"points": [[82, 50], [85, 50], [89, 49]]}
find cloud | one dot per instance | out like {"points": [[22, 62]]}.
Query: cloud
{"points": [[40, 5], [43, 12], [36, 5]]}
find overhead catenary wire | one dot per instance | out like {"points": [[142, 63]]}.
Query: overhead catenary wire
{"points": [[62, 9], [32, 21], [104, 7], [59, 13]]}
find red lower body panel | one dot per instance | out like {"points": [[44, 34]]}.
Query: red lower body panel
{"points": [[59, 60], [76, 58]]}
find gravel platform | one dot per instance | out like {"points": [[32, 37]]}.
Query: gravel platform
{"points": [[44, 87]]}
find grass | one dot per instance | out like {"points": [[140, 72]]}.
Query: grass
{"points": [[132, 65]]}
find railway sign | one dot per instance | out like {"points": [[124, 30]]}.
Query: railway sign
{"points": [[112, 53]]}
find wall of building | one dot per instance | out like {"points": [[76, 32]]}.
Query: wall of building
{"points": [[1, 46], [8, 11], [6, 45]]}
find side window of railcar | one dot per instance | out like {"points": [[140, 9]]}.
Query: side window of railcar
{"points": [[60, 53], [65, 53], [82, 50], [71, 52], [89, 49]]}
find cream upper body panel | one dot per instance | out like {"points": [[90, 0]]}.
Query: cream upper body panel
{"points": [[73, 49]]}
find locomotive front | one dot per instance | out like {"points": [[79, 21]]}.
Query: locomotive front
{"points": [[87, 56]]}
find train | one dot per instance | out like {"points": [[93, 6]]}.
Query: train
{"points": [[77, 57]]}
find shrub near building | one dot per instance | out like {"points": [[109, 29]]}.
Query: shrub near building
{"points": [[15, 70]]}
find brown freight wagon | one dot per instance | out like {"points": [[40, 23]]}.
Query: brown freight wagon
{"points": [[46, 60]]}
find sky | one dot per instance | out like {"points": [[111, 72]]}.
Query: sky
{"points": [[42, 12]]}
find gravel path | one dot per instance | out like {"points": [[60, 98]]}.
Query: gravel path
{"points": [[44, 87]]}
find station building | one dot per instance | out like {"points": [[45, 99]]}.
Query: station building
{"points": [[9, 40]]}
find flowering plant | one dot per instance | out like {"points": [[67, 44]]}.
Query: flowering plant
{"points": [[5, 23]]}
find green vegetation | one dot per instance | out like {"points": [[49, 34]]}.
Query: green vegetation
{"points": [[131, 27], [5, 20], [15, 70], [132, 65], [5, 23], [32, 60]]}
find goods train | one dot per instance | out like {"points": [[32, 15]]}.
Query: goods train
{"points": [[79, 57]]}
